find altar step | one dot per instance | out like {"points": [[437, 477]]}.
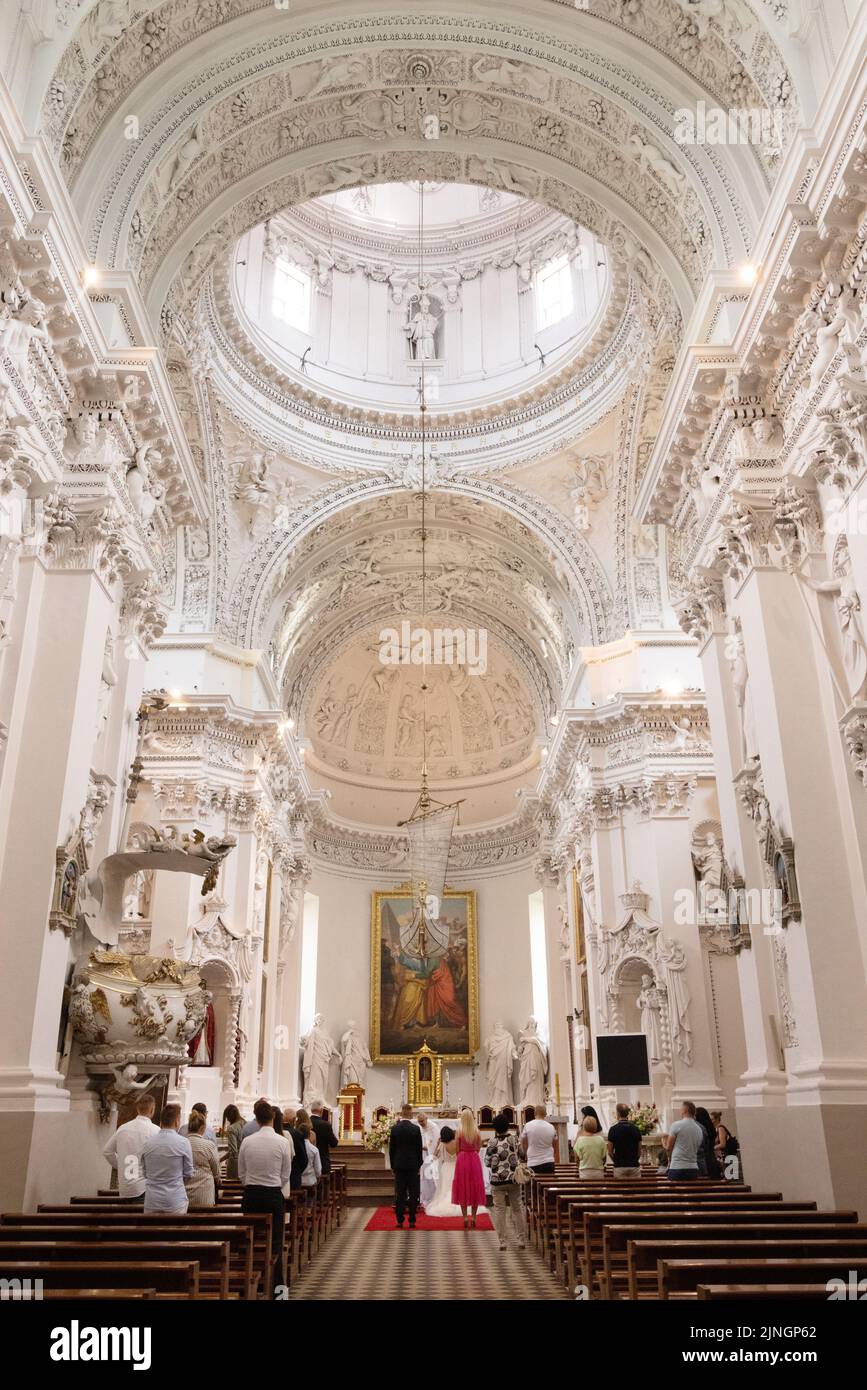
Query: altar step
{"points": [[368, 1182]]}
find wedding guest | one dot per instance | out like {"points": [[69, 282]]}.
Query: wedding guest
{"points": [[291, 1131], [278, 1119], [624, 1145], [252, 1126], [468, 1184], [503, 1158], [708, 1166], [202, 1110], [167, 1161], [405, 1154], [313, 1172], [725, 1143], [682, 1144], [591, 1150], [326, 1139], [202, 1184], [233, 1124], [264, 1166], [124, 1149], [538, 1138]]}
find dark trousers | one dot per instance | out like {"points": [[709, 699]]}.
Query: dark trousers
{"points": [[269, 1199], [683, 1174], [544, 1168], [407, 1189]]}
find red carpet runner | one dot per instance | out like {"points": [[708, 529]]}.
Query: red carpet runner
{"points": [[383, 1220]]}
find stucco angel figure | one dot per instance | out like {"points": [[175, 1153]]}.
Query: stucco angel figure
{"points": [[502, 1055], [850, 616], [533, 1058], [420, 329], [125, 1087], [354, 1057], [317, 1053]]}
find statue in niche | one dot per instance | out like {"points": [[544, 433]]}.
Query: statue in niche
{"points": [[317, 1053], [354, 1057], [533, 1059], [648, 1004], [851, 619], [707, 858], [502, 1055], [420, 329]]}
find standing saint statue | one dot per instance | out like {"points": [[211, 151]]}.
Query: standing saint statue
{"points": [[533, 1058], [420, 329], [502, 1054], [317, 1053], [354, 1057], [648, 1003]]}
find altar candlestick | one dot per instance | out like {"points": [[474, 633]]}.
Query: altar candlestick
{"points": [[557, 1089]]}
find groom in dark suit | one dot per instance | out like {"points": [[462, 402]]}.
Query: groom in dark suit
{"points": [[405, 1154]]}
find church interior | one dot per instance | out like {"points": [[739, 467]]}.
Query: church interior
{"points": [[433, 638]]}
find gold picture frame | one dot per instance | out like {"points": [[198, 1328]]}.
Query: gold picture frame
{"points": [[578, 916], [434, 1002]]}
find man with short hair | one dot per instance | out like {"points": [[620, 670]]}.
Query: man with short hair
{"points": [[406, 1155], [624, 1145], [682, 1144], [166, 1160], [325, 1138], [252, 1126], [538, 1139], [208, 1133], [300, 1160], [264, 1167], [125, 1147]]}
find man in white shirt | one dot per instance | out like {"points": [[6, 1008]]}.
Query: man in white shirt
{"points": [[125, 1147], [264, 1167], [538, 1139]]}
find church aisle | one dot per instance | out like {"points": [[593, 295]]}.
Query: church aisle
{"points": [[363, 1265]]}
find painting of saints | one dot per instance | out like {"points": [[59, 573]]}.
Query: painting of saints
{"points": [[424, 986]]}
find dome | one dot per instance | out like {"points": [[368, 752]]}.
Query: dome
{"points": [[345, 294]]}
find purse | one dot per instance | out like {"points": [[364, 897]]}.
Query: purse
{"points": [[523, 1174]]}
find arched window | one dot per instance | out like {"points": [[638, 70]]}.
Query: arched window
{"points": [[290, 296], [554, 297]]}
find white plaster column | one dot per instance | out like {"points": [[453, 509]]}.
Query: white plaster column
{"points": [[60, 623], [559, 1042]]}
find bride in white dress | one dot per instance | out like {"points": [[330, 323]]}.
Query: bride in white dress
{"points": [[445, 1152]]}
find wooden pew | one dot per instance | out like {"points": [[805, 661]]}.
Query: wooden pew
{"points": [[81, 1295], [212, 1257], [606, 1234], [177, 1278], [682, 1276], [644, 1249], [781, 1293], [584, 1218], [239, 1238]]}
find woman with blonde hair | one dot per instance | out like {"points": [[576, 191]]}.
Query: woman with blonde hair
{"points": [[591, 1150], [468, 1184], [202, 1186]]}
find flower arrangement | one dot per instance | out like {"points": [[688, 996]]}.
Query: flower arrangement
{"points": [[376, 1138], [645, 1118]]}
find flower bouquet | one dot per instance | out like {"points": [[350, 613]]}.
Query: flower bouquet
{"points": [[376, 1138], [645, 1118]]}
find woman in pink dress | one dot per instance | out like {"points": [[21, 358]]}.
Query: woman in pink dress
{"points": [[468, 1184]]}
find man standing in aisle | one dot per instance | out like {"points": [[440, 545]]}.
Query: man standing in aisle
{"points": [[406, 1154], [125, 1147], [264, 1167]]}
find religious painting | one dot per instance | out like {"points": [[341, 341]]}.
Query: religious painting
{"points": [[423, 986], [578, 913]]}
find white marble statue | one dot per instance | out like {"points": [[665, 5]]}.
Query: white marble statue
{"points": [[502, 1055], [743, 697], [648, 1003], [673, 959], [317, 1053], [850, 616], [533, 1059], [421, 330], [354, 1057]]}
